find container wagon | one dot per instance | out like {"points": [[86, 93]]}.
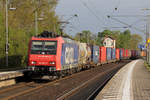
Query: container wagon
{"points": [[117, 54], [109, 55], [102, 56]]}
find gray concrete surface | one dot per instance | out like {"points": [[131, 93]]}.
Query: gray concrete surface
{"points": [[10, 74], [132, 82]]}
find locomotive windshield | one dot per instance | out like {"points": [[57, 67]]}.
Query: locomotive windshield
{"points": [[44, 47]]}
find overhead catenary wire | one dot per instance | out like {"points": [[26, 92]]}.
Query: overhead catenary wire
{"points": [[96, 11], [92, 12], [70, 25], [126, 24], [74, 27], [137, 21]]}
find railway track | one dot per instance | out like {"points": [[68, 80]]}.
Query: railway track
{"points": [[16, 90], [100, 87], [31, 86], [70, 94], [58, 89], [4, 90]]}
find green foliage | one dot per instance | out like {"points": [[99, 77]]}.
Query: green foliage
{"points": [[86, 37], [123, 39], [135, 40], [22, 27]]}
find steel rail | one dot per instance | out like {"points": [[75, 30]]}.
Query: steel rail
{"points": [[15, 87], [101, 85], [38, 87], [63, 97]]}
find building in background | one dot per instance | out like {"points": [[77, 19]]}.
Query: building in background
{"points": [[109, 42]]}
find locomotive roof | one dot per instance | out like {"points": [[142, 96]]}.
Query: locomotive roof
{"points": [[66, 40]]}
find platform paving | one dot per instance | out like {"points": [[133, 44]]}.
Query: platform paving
{"points": [[132, 82], [10, 74]]}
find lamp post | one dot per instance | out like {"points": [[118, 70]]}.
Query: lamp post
{"points": [[7, 32]]}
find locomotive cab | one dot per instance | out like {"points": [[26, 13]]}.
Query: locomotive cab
{"points": [[43, 54]]}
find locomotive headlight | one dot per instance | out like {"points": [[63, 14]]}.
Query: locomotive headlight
{"points": [[52, 62], [33, 62]]}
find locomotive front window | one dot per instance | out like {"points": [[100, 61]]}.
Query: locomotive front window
{"points": [[50, 45], [37, 45], [44, 47]]}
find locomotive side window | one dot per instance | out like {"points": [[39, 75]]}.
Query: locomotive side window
{"points": [[44, 47]]}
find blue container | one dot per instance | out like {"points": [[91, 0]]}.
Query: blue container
{"points": [[113, 55], [69, 56], [109, 53], [95, 54], [121, 54]]}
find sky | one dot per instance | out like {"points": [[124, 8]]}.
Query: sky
{"points": [[92, 15]]}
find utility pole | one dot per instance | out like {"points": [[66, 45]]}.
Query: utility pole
{"points": [[36, 22], [6, 29], [36, 16], [148, 35], [146, 42], [6, 45]]}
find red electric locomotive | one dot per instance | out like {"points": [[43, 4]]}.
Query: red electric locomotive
{"points": [[52, 54], [44, 53]]}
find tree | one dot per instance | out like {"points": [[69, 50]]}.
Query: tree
{"points": [[22, 26], [135, 40], [86, 36]]}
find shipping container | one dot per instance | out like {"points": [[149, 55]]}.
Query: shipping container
{"points": [[109, 54], [83, 53], [117, 54], [121, 53], [69, 56], [126, 53], [134, 54], [129, 53], [113, 53], [143, 53], [102, 55], [95, 54], [138, 53], [89, 54]]}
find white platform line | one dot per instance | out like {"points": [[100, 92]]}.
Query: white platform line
{"points": [[127, 87]]}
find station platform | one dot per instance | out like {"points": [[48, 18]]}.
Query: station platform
{"points": [[10, 74], [132, 82]]}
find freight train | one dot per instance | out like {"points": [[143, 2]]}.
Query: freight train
{"points": [[58, 55]]}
